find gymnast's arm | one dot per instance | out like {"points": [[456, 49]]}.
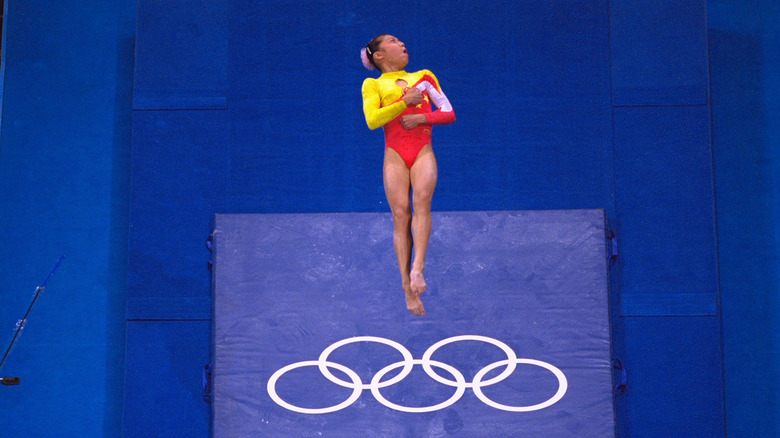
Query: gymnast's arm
{"points": [[444, 114], [376, 115]]}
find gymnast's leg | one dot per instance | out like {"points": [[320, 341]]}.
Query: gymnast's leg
{"points": [[423, 175], [397, 183]]}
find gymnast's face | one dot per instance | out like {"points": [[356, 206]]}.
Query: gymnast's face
{"points": [[392, 53]]}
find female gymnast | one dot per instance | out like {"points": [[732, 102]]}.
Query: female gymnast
{"points": [[401, 103]]}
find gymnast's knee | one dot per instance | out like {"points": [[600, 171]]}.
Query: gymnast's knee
{"points": [[422, 201], [402, 214]]}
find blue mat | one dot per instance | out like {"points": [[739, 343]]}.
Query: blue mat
{"points": [[312, 338]]}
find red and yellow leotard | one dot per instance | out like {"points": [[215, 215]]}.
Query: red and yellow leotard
{"points": [[383, 105]]}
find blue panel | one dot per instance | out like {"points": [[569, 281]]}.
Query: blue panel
{"points": [[178, 173], [286, 287], [64, 164], [675, 378], [181, 55], [669, 304], [745, 59], [659, 52], [163, 390], [167, 308], [663, 175]]}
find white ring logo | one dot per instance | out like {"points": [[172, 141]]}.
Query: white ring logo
{"points": [[427, 363]]}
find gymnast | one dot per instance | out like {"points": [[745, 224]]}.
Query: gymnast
{"points": [[401, 103]]}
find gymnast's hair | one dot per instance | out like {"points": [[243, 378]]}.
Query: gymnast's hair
{"points": [[367, 53]]}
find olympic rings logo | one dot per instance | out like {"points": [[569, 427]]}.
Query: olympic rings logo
{"points": [[408, 363]]}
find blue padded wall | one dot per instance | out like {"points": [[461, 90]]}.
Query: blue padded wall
{"points": [[179, 159], [674, 388], [671, 257], [181, 55], [745, 50], [659, 52], [64, 182], [178, 163], [163, 356], [666, 274]]}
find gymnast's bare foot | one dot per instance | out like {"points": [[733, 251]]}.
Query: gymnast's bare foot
{"points": [[417, 283], [414, 303]]}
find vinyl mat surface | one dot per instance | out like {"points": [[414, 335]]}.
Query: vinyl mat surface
{"points": [[311, 336]]}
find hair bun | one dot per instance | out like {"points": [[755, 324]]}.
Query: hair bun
{"points": [[364, 58]]}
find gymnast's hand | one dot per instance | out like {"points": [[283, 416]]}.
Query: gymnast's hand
{"points": [[413, 97], [411, 121]]}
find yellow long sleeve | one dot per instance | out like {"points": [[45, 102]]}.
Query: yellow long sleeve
{"points": [[376, 114]]}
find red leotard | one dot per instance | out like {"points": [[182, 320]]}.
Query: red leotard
{"points": [[383, 106]]}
